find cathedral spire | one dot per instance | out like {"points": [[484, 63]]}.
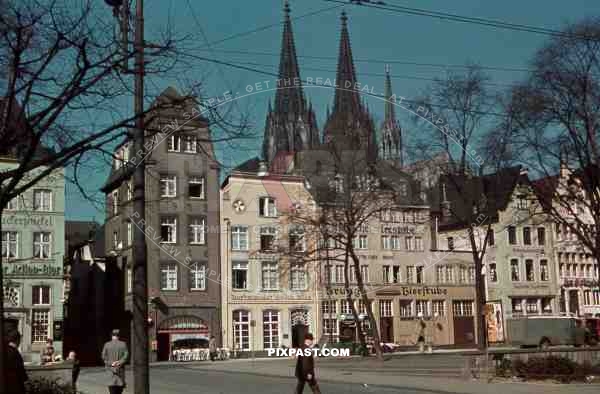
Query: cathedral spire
{"points": [[346, 96], [289, 96], [290, 125], [390, 144]]}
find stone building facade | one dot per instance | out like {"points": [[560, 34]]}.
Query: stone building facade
{"points": [[33, 227], [182, 213], [268, 276]]}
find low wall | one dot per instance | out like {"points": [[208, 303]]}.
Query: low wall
{"points": [[59, 371], [579, 355]]}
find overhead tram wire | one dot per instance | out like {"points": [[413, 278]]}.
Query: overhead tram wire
{"points": [[374, 61], [276, 75], [266, 27], [382, 5]]}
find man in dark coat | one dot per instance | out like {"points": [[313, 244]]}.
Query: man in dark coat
{"points": [[212, 348], [115, 355], [305, 368], [14, 368]]}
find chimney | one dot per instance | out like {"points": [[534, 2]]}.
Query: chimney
{"points": [[262, 168]]}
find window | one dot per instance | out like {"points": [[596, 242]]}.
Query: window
{"points": [[241, 330], [493, 273], [490, 235], [408, 241], [197, 276], [360, 242], [531, 305], [462, 275], [42, 200], [270, 329], [270, 276], [547, 305], [345, 307], [10, 244], [196, 187], [440, 276], [330, 328], [40, 326], [422, 308], [420, 274], [129, 186], [239, 238], [387, 274], [40, 295], [173, 143], [298, 277], [129, 280], [385, 308], [514, 270], [190, 144], [364, 273], [328, 307], [396, 274], [450, 243], [418, 243], [129, 226], [168, 186], [13, 205], [544, 270], [471, 274], [297, 240], [449, 274], [386, 242], [267, 207], [116, 240], [42, 245], [462, 308], [168, 276], [527, 235], [438, 308], [239, 275], [168, 229], [517, 305], [529, 271], [267, 238], [587, 297], [197, 231], [406, 309], [410, 274], [512, 235], [521, 202], [114, 202], [362, 308], [541, 235], [395, 242]]}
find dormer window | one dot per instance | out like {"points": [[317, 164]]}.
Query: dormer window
{"points": [[267, 207], [522, 202]]}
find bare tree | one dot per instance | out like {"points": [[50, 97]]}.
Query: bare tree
{"points": [[556, 118], [452, 115], [67, 91]]}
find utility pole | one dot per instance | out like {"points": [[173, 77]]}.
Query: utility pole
{"points": [[141, 379], [140, 342]]}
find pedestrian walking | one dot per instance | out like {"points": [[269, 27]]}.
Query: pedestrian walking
{"points": [[212, 348], [115, 355], [305, 368], [76, 369], [14, 368]]}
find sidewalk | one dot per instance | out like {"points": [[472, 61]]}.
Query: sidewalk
{"points": [[373, 372]]}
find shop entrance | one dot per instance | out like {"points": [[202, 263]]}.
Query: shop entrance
{"points": [[180, 333], [387, 329], [464, 330], [299, 320]]}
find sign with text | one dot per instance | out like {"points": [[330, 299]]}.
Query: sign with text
{"points": [[17, 220], [32, 269]]}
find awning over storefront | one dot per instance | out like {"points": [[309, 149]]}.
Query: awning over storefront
{"points": [[184, 325]]}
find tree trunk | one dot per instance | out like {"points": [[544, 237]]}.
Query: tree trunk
{"points": [[367, 302], [480, 300], [361, 337], [2, 342]]}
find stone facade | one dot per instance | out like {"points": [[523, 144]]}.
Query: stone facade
{"points": [[33, 228]]}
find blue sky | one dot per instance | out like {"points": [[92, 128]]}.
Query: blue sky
{"points": [[376, 35]]}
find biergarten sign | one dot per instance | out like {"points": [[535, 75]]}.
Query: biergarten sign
{"points": [[41, 270], [421, 291]]}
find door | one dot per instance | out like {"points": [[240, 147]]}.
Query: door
{"points": [[387, 329], [574, 302], [464, 330], [163, 347], [298, 333]]}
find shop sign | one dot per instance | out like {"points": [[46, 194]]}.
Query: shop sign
{"points": [[41, 270], [43, 221], [353, 292], [386, 229], [423, 291]]}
